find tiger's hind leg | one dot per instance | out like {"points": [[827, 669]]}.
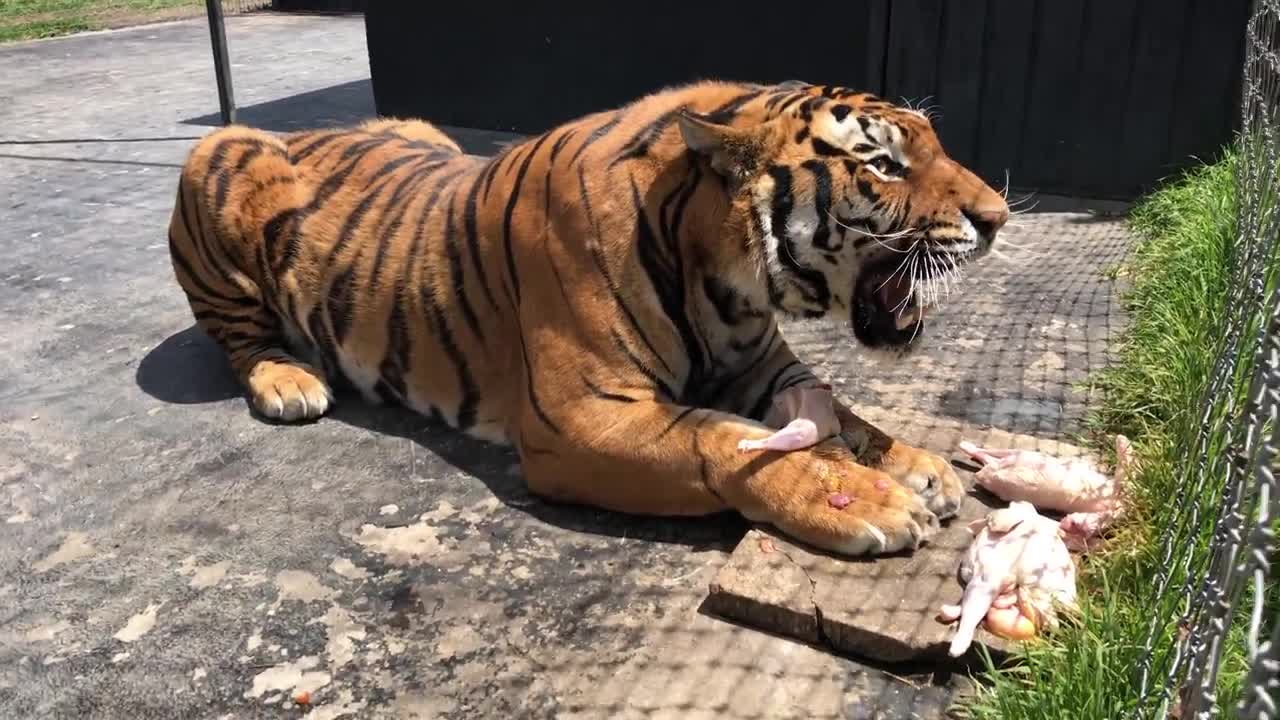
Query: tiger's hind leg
{"points": [[214, 253]]}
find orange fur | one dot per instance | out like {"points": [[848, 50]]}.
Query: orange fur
{"points": [[601, 296]]}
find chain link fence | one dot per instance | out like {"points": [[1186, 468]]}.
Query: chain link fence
{"points": [[1227, 594]]}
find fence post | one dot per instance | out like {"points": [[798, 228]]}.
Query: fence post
{"points": [[221, 63]]}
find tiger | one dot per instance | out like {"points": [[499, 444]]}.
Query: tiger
{"points": [[604, 298]]}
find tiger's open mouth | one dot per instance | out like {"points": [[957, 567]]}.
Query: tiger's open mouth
{"points": [[887, 310]]}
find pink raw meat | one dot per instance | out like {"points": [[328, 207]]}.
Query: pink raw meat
{"points": [[1017, 572], [804, 414], [1070, 486]]}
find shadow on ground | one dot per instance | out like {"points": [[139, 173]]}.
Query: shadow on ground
{"points": [[189, 368]]}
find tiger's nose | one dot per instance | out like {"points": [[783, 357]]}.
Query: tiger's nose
{"points": [[988, 217]]}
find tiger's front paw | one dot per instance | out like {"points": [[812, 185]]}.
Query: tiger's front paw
{"points": [[903, 523], [286, 391], [929, 475], [858, 512]]}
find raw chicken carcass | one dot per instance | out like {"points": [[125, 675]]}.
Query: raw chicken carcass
{"points": [[1017, 573], [1075, 486], [805, 416]]}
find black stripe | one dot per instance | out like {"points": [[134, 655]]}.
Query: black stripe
{"points": [[559, 145], [218, 157], [669, 286], [841, 112], [604, 394], [510, 212], [272, 232], [185, 266], [744, 345], [527, 449], [389, 167], [813, 102], [199, 240], [676, 421], [811, 283], [338, 301], [762, 405], [638, 145], [826, 149], [723, 298], [529, 387], [224, 178], [725, 113], [397, 357], [453, 253], [791, 101], [682, 202], [307, 150], [470, 393], [225, 319], [392, 216], [323, 341], [597, 254], [822, 204], [386, 392], [353, 222], [711, 397], [778, 97], [664, 388], [594, 136], [472, 236], [491, 171], [804, 376], [866, 191], [395, 211], [332, 183], [511, 158]]}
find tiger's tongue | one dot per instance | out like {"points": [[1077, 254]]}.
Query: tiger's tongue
{"points": [[895, 296]]}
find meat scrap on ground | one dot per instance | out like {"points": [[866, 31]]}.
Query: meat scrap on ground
{"points": [[1091, 498]]}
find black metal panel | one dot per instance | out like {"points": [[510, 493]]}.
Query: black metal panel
{"points": [[1004, 75], [1100, 98], [334, 6], [526, 66]]}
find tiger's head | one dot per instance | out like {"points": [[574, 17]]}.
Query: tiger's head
{"points": [[852, 208]]}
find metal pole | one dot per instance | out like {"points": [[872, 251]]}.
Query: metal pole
{"points": [[221, 63]]}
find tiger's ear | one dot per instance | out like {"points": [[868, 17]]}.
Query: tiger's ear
{"points": [[733, 152]]}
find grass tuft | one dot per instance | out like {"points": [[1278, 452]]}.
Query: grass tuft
{"points": [[33, 19]]}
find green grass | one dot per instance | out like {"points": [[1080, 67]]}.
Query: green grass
{"points": [[30, 19], [1178, 279]]}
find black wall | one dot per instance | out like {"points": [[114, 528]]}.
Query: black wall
{"points": [[1098, 98]]}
